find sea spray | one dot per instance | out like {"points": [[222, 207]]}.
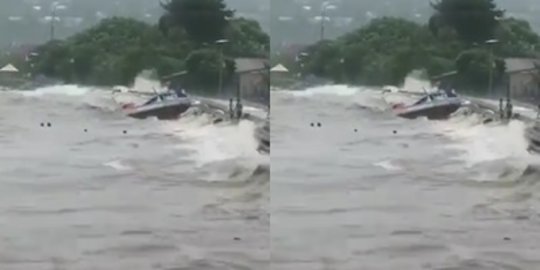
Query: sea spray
{"points": [[146, 82]]}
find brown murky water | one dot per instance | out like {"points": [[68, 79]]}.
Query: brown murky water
{"points": [[82, 194], [351, 194]]}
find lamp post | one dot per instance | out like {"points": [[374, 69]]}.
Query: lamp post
{"points": [[220, 44], [300, 60], [327, 5], [490, 43], [29, 59], [55, 7]]}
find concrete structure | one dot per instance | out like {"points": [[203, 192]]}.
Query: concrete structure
{"points": [[523, 77], [252, 77]]}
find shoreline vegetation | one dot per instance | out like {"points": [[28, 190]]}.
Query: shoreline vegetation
{"points": [[117, 49], [456, 38]]}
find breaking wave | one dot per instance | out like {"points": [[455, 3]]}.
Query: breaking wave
{"points": [[480, 145], [211, 144]]}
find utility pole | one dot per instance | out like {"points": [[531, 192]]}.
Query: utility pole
{"points": [[490, 71], [220, 87], [55, 7], [324, 7], [323, 16], [53, 17], [221, 64], [268, 85], [491, 43]]}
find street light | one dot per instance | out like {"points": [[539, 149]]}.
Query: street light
{"points": [[490, 43], [31, 56], [55, 7], [301, 56], [300, 60], [29, 59], [221, 42], [327, 5]]}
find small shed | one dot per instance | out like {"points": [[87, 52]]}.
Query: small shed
{"points": [[10, 76], [523, 77], [279, 68], [281, 76], [253, 78], [9, 68]]}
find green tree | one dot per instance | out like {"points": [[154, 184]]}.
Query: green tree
{"points": [[382, 52], [204, 67], [247, 38], [386, 50], [203, 20], [53, 60], [112, 52], [473, 20], [116, 50], [474, 66], [517, 37], [322, 59]]}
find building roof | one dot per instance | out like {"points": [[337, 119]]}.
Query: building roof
{"points": [[9, 68], [279, 68], [521, 64], [244, 65]]}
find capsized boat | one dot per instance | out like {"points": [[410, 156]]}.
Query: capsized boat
{"points": [[167, 106], [436, 106]]}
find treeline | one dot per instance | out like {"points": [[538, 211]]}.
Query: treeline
{"points": [[455, 38], [302, 28], [32, 27], [117, 49]]}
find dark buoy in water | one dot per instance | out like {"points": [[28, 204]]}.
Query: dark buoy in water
{"points": [[125, 131], [395, 131], [48, 124], [312, 124], [236, 239], [42, 124], [507, 239], [355, 130], [319, 124], [85, 130]]}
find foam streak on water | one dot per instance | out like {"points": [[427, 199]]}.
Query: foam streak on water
{"points": [[434, 195], [82, 194]]}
